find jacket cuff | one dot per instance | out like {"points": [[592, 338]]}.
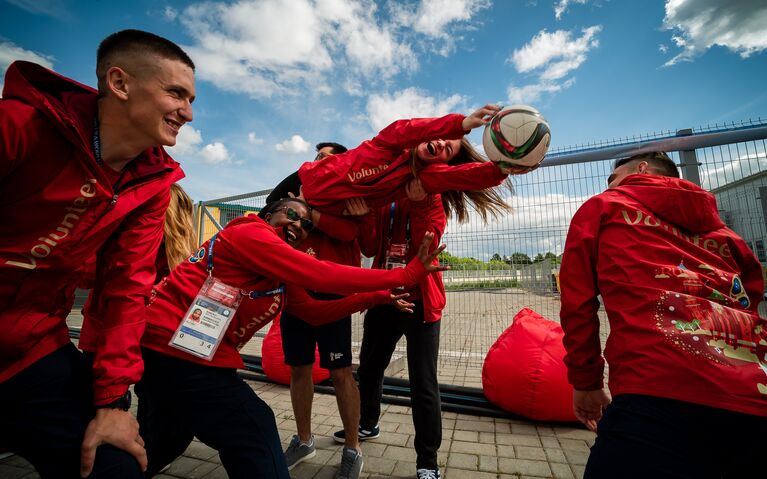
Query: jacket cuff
{"points": [[106, 395], [415, 271], [586, 381]]}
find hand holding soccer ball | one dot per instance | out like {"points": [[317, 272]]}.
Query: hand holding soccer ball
{"points": [[517, 139], [480, 117]]}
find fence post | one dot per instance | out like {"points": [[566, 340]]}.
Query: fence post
{"points": [[689, 160], [199, 218]]}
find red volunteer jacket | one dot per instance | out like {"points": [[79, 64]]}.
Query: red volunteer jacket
{"points": [[378, 169], [681, 292], [334, 239], [250, 255], [59, 207], [378, 231]]}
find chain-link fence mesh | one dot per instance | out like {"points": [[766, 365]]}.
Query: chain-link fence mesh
{"points": [[513, 261]]}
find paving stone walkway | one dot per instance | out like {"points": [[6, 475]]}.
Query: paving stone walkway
{"points": [[472, 447]]}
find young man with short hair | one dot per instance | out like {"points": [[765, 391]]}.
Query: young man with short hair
{"points": [[687, 349], [83, 173]]}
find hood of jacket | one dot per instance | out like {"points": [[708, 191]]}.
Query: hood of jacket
{"points": [[674, 200], [72, 106]]}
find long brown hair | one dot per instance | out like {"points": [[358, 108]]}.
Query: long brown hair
{"points": [[456, 203], [179, 227]]}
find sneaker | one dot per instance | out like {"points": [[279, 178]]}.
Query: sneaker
{"points": [[298, 452], [428, 474], [363, 434], [351, 464]]}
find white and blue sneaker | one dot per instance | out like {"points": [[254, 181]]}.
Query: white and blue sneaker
{"points": [[362, 434], [428, 473]]}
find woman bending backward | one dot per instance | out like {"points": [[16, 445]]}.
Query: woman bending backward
{"points": [[432, 150]]}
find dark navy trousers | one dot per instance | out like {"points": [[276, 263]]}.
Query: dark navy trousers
{"points": [[645, 436], [179, 400], [44, 411]]}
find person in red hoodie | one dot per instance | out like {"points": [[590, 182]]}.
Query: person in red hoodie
{"points": [[388, 234], [686, 349], [335, 240], [243, 278], [83, 172], [433, 150]]}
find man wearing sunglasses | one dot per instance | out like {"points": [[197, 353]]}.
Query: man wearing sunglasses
{"points": [[686, 346], [334, 240]]}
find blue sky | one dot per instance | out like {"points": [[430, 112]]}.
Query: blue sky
{"points": [[275, 77]]}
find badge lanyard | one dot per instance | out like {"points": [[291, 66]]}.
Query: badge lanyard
{"points": [[207, 319], [396, 253]]}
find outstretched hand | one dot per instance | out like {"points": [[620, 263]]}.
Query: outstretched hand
{"points": [[116, 427], [428, 258], [588, 406], [356, 207], [398, 301], [415, 191], [480, 117]]}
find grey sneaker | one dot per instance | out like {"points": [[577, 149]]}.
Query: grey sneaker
{"points": [[362, 434], [428, 474], [351, 464], [298, 451]]}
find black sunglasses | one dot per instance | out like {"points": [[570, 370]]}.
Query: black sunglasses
{"points": [[293, 215]]}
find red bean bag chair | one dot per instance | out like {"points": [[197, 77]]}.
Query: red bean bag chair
{"points": [[524, 371], [273, 359]]}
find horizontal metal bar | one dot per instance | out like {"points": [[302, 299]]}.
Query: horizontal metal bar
{"points": [[237, 197], [670, 143]]}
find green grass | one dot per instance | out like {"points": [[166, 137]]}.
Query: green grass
{"points": [[491, 284]]}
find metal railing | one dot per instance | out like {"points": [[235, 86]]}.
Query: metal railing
{"points": [[512, 262]]}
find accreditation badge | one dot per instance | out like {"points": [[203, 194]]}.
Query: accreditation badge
{"points": [[205, 322], [396, 257]]}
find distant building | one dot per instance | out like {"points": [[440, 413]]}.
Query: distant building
{"points": [[743, 207]]}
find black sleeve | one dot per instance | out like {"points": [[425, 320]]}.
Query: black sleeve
{"points": [[290, 184]]}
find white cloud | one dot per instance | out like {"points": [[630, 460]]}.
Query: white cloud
{"points": [[555, 53], [383, 109], [721, 169], [698, 25], [170, 13], [10, 52], [253, 140], [562, 5], [187, 141], [439, 19], [215, 154], [58, 9], [663, 48], [270, 47], [187, 149], [537, 224], [529, 94], [294, 145], [551, 56]]}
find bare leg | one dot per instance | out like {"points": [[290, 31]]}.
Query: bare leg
{"points": [[348, 398], [301, 396]]}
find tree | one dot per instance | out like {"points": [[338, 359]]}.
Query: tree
{"points": [[519, 258], [496, 257]]}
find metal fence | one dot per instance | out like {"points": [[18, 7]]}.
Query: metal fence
{"points": [[512, 262]]}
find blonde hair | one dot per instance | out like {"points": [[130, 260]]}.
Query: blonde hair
{"points": [[179, 227], [487, 202]]}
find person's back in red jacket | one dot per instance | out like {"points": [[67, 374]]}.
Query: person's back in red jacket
{"points": [[83, 173], [686, 347]]}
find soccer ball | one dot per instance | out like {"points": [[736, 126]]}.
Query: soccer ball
{"points": [[518, 137]]}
